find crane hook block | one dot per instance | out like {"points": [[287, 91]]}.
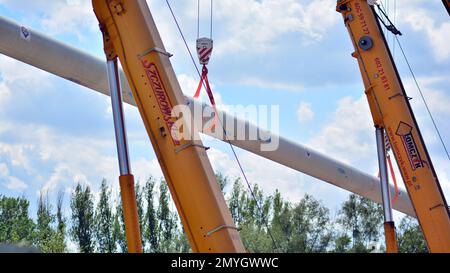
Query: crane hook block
{"points": [[204, 50]]}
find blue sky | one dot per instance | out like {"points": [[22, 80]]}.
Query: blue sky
{"points": [[295, 54]]}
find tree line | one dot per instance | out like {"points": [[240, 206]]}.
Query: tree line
{"points": [[266, 223]]}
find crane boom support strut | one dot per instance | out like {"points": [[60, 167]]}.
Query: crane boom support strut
{"points": [[392, 111], [193, 186]]}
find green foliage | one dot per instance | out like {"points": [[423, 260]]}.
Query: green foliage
{"points": [[106, 242], [44, 231], [150, 230], [140, 209], [222, 181], [60, 238], [311, 227], [16, 227], [167, 221], [267, 224], [83, 220], [410, 237], [361, 220], [119, 228]]}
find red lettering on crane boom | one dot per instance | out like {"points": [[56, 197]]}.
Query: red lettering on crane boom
{"points": [[161, 96]]}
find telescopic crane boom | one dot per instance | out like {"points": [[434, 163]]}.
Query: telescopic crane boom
{"points": [[130, 33], [392, 112], [447, 5]]}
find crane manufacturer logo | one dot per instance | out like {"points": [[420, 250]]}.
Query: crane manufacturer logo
{"points": [[25, 34], [405, 132], [160, 93]]}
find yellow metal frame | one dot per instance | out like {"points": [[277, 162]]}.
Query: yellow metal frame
{"points": [[188, 172], [130, 213], [391, 110]]}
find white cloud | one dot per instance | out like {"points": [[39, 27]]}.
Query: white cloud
{"points": [[4, 171], [255, 25], [5, 94], [271, 85], [16, 154], [349, 135], [70, 158], [305, 112], [437, 98], [58, 16], [15, 184], [70, 17], [250, 26], [11, 182], [422, 19]]}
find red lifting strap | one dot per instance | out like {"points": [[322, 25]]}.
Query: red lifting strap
{"points": [[391, 169], [204, 80]]}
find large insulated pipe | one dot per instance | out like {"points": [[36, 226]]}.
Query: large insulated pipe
{"points": [[43, 52]]}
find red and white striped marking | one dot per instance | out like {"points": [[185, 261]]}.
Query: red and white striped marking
{"points": [[204, 50]]}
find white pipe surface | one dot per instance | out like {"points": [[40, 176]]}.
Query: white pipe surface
{"points": [[65, 61]]}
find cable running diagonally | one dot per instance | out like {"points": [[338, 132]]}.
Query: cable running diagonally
{"points": [[274, 244], [382, 10]]}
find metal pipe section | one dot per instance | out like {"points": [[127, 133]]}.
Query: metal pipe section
{"points": [[119, 123], [389, 225], [385, 195], [126, 179], [70, 63]]}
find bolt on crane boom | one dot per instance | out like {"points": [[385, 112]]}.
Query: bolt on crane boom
{"points": [[392, 112], [187, 170]]}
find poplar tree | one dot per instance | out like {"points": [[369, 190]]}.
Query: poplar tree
{"points": [[410, 237], [167, 220], [60, 239], [362, 219], [151, 223], [119, 227], [45, 234], [118, 234], [16, 226], [140, 210], [82, 230], [103, 219]]}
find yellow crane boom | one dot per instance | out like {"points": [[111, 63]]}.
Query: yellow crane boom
{"points": [[131, 34], [391, 111], [447, 5]]}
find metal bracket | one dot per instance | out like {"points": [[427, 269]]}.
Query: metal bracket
{"points": [[219, 228], [437, 206], [184, 147], [369, 90], [396, 95], [155, 49], [117, 7]]}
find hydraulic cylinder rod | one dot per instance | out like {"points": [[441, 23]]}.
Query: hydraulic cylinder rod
{"points": [[389, 225], [126, 179], [119, 122]]}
